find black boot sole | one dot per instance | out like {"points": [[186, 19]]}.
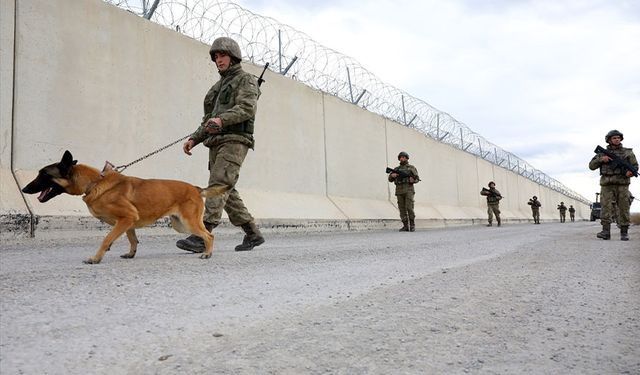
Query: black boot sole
{"points": [[187, 246], [251, 245]]}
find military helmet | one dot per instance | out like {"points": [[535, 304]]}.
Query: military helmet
{"points": [[402, 153], [491, 182], [225, 44], [534, 197], [612, 133]]}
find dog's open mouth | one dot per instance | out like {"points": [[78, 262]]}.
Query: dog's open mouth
{"points": [[43, 195]]}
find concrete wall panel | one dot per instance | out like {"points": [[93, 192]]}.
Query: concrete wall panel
{"points": [[421, 155], [15, 219], [356, 158]]}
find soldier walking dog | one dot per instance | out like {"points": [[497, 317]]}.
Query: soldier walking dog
{"points": [[227, 130]]}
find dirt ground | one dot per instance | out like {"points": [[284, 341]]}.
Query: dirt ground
{"points": [[538, 299]]}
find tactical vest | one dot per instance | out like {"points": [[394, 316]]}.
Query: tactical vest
{"points": [[221, 97], [614, 175]]}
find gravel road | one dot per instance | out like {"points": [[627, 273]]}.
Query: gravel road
{"points": [[538, 299]]}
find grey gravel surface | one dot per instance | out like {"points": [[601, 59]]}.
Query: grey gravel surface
{"points": [[538, 299]]}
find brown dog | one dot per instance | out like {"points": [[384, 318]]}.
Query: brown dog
{"points": [[126, 203]]}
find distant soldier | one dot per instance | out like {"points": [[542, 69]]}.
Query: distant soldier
{"points": [[572, 213], [563, 212], [404, 177], [535, 209], [493, 202], [614, 184]]}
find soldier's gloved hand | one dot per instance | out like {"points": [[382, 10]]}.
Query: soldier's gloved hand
{"points": [[412, 180], [394, 175], [213, 125], [605, 159], [629, 174]]}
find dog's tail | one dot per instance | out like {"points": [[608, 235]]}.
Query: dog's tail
{"points": [[213, 191]]}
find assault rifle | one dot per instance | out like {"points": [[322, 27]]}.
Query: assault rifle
{"points": [[491, 193], [617, 161], [400, 173]]}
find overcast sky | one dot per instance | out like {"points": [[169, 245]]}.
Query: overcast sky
{"points": [[545, 80]]}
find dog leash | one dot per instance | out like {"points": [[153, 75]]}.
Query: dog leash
{"points": [[121, 168]]}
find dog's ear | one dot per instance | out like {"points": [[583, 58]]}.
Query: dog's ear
{"points": [[66, 163], [67, 158]]}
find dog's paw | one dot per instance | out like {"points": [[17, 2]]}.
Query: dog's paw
{"points": [[91, 261], [127, 256], [205, 256]]}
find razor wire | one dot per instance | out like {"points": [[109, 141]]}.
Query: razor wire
{"points": [[294, 54]]}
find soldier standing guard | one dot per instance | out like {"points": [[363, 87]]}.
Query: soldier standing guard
{"points": [[563, 212], [227, 130], [404, 177], [572, 213], [493, 202], [535, 209], [614, 184]]}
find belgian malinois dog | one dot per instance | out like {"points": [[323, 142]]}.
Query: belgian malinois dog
{"points": [[125, 202]]}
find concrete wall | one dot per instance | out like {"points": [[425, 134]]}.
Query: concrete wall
{"points": [[15, 219], [108, 85]]}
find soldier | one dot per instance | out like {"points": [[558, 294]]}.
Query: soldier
{"points": [[535, 209], [493, 202], [227, 130], [572, 213], [614, 185], [404, 177], [563, 212]]}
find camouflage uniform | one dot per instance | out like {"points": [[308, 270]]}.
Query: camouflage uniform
{"points": [[572, 213], [563, 212], [614, 187], [405, 194], [493, 203], [233, 99], [535, 209]]}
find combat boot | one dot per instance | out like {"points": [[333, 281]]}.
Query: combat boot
{"points": [[606, 232], [624, 233], [412, 225], [490, 224], [405, 226], [499, 222], [252, 237], [194, 243]]}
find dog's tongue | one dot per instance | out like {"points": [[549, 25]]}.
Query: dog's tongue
{"points": [[43, 194]]}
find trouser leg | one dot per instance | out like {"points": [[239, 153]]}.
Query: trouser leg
{"points": [[496, 211], [402, 207], [411, 215], [225, 161], [607, 197]]}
